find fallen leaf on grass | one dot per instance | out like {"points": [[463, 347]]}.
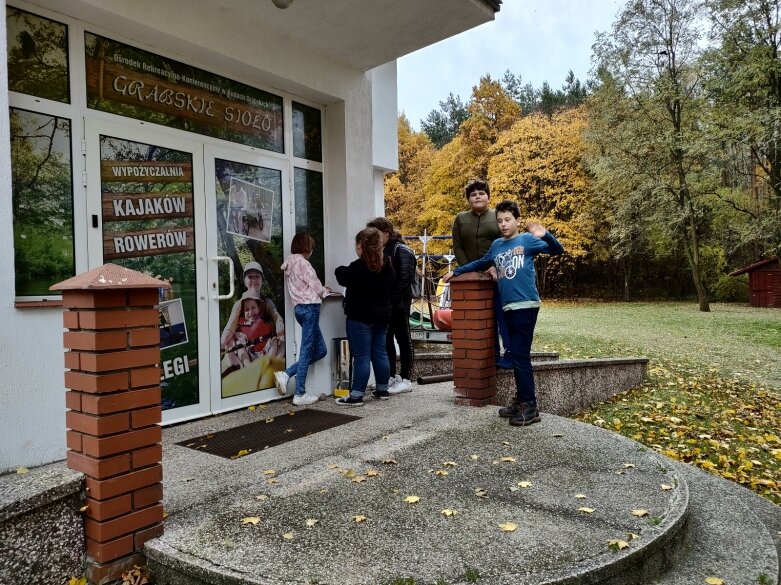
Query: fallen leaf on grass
{"points": [[250, 520], [586, 510], [412, 499], [640, 513], [449, 512], [508, 527]]}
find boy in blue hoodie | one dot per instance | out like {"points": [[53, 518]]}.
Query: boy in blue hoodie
{"points": [[513, 255]]}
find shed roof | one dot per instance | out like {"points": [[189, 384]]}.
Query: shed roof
{"points": [[754, 266]]}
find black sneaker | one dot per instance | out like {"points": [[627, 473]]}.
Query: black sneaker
{"points": [[527, 415], [510, 411], [381, 394], [349, 401]]}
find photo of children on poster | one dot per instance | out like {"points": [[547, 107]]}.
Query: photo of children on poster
{"points": [[250, 210]]}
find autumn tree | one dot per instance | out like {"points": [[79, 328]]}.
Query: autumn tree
{"points": [[404, 189], [539, 162], [652, 52], [744, 84]]}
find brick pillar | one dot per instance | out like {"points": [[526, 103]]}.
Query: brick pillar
{"points": [[112, 358], [474, 359]]}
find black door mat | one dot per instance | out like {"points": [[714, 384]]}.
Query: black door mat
{"points": [[246, 439]]}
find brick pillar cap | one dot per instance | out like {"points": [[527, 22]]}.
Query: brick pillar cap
{"points": [[110, 276], [471, 276]]}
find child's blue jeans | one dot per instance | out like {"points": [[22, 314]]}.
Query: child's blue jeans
{"points": [[367, 347], [520, 324], [313, 346]]}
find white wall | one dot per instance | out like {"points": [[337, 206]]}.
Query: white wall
{"points": [[32, 411]]}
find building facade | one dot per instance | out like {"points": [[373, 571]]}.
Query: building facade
{"points": [[190, 140]]}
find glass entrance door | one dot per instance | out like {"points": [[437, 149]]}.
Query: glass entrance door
{"points": [[145, 212], [246, 195]]}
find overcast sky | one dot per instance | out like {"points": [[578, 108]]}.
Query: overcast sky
{"points": [[540, 40]]}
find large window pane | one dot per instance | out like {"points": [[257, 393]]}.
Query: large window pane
{"points": [[307, 133], [37, 55], [42, 201], [308, 187]]}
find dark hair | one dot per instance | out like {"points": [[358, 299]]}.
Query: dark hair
{"points": [[510, 206], [371, 248], [477, 185], [302, 243], [385, 226]]}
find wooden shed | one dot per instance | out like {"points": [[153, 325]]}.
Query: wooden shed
{"points": [[764, 282]]}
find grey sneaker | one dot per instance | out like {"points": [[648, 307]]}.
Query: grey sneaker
{"points": [[304, 399], [280, 381], [400, 387]]}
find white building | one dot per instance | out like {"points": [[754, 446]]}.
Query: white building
{"points": [[165, 134]]}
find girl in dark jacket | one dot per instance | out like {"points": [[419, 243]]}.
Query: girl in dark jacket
{"points": [[369, 281], [405, 265]]}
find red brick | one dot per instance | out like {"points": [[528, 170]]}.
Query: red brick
{"points": [[471, 354], [482, 373], [72, 360], [93, 299], [107, 509], [471, 305], [148, 496], [89, 382], [118, 360], [70, 319], [146, 417], [476, 393], [140, 297], [460, 315], [73, 440], [103, 489], [112, 570], [98, 426], [142, 318], [472, 364], [73, 401], [147, 534], [480, 332], [98, 468], [144, 377], [147, 456], [458, 382], [477, 343], [462, 401], [102, 319], [103, 552], [126, 524], [457, 295], [478, 295], [144, 337], [108, 403], [94, 340], [458, 353], [105, 446]]}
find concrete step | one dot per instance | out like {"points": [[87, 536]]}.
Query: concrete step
{"points": [[729, 535], [555, 542]]}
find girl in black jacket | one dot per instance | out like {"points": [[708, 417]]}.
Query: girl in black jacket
{"points": [[369, 281]]}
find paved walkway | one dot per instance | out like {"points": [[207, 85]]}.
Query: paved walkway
{"points": [[452, 458]]}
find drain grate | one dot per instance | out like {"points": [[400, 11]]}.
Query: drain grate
{"points": [[245, 439]]}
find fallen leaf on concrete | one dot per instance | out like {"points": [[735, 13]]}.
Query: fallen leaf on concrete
{"points": [[474, 457], [250, 520], [311, 522], [666, 487], [270, 472], [580, 496], [714, 581], [390, 462], [84, 508], [639, 512], [412, 499], [629, 465], [372, 473], [505, 442], [270, 419], [481, 493], [449, 463], [359, 518], [271, 481], [449, 512], [512, 488], [617, 544], [251, 407], [241, 453], [508, 527], [288, 536], [586, 510], [441, 472], [77, 581], [332, 466], [408, 426], [507, 459], [558, 435], [349, 473], [632, 536], [525, 484], [262, 497], [358, 479]]}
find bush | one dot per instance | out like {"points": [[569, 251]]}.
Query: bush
{"points": [[731, 289]]}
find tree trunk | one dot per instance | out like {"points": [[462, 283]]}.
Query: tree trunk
{"points": [[627, 279]]}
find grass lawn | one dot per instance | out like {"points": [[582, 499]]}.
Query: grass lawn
{"points": [[713, 394]]}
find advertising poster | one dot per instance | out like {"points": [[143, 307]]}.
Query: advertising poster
{"points": [[147, 204], [252, 340]]}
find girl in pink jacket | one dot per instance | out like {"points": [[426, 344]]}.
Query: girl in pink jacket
{"points": [[307, 293]]}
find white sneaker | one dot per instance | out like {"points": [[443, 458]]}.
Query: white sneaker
{"points": [[393, 381], [304, 399], [280, 381], [400, 387]]}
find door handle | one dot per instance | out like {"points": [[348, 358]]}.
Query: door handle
{"points": [[231, 276]]}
